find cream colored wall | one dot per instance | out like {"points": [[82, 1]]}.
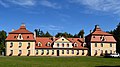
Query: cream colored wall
{"points": [[106, 46], [16, 48], [60, 52]]}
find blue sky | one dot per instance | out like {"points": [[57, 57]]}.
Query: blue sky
{"points": [[59, 15]]}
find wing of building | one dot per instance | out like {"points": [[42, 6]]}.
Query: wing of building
{"points": [[100, 42], [22, 42]]}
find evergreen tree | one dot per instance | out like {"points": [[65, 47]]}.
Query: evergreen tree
{"points": [[48, 34], [81, 33]]}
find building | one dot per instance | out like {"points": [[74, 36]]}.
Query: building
{"points": [[100, 43], [22, 42]]}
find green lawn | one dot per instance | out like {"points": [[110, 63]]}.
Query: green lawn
{"points": [[58, 61]]}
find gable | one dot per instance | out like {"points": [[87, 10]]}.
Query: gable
{"points": [[63, 40]]}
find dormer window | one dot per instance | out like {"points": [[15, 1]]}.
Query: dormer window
{"points": [[39, 44], [27, 36], [62, 39], [102, 38], [75, 45], [48, 44], [14, 36], [20, 37]]}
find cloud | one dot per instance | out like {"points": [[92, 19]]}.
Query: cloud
{"points": [[3, 4], [23, 2], [51, 27], [50, 4], [111, 6]]}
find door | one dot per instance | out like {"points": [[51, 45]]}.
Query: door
{"points": [[57, 52]]}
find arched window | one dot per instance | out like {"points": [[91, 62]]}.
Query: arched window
{"points": [[39, 44], [75, 44], [48, 44]]}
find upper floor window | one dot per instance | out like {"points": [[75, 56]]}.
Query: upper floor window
{"points": [[101, 44], [62, 39], [77, 52], [57, 44], [95, 44], [14, 36], [42, 51], [102, 38], [28, 43], [62, 44], [110, 44], [11, 44], [39, 44], [28, 51], [20, 44], [20, 51], [68, 45]]}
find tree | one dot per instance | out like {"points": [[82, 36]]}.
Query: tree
{"points": [[81, 33], [3, 36], [48, 34]]}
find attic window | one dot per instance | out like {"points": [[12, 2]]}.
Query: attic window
{"points": [[20, 36], [102, 38], [39, 44], [75, 44], [14, 36], [93, 36], [62, 39], [48, 44], [27, 36]]}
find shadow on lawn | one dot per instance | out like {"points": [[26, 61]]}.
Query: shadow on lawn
{"points": [[107, 66]]}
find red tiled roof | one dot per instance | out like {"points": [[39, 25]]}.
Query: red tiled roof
{"points": [[96, 35], [26, 35], [22, 29], [45, 40]]}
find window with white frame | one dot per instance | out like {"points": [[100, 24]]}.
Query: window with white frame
{"points": [[77, 52], [20, 36], [52, 51], [72, 51], [82, 52], [36, 51], [20, 51], [20, 44], [110, 44], [11, 44], [67, 44], [47, 51], [75, 44], [39, 44], [48, 44], [42, 51], [62, 51], [67, 51]]}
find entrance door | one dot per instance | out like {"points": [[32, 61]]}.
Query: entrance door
{"points": [[57, 52]]}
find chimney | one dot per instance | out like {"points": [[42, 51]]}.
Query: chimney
{"points": [[90, 31], [13, 29], [96, 26], [53, 38], [34, 35], [23, 24]]}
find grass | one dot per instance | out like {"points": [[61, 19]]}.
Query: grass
{"points": [[58, 61]]}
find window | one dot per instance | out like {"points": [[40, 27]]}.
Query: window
{"points": [[20, 36], [75, 44], [27, 36], [110, 44], [110, 51], [11, 51], [20, 51], [14, 36], [68, 45], [82, 52], [67, 51], [101, 54], [48, 44], [36, 51], [62, 51], [95, 52], [62, 39], [39, 44], [93, 36], [47, 51], [72, 51], [42, 52], [62, 44], [11, 44], [29, 44], [28, 53], [77, 52], [57, 44], [20, 44], [52, 51], [95, 44], [101, 44]]}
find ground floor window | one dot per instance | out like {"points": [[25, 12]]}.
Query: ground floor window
{"points": [[77, 52], [82, 52], [28, 53], [11, 52], [47, 52], [95, 52], [62, 51], [42, 52], [110, 51], [72, 51], [67, 51], [36, 51], [52, 52]]}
